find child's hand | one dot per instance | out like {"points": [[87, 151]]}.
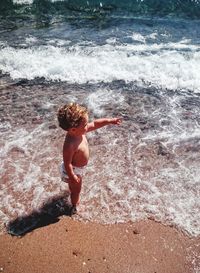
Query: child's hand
{"points": [[116, 121], [76, 179]]}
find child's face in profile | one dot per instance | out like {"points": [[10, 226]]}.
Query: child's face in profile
{"points": [[82, 128]]}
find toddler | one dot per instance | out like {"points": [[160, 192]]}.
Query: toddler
{"points": [[73, 118]]}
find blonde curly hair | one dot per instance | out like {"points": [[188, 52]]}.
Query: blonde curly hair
{"points": [[71, 115]]}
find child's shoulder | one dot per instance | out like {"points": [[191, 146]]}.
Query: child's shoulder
{"points": [[69, 142]]}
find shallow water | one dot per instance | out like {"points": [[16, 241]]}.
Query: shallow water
{"points": [[147, 167]]}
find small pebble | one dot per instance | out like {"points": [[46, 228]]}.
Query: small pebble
{"points": [[136, 231], [52, 126], [1, 269], [76, 252]]}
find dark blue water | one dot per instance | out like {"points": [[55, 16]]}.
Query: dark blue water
{"points": [[95, 8]]}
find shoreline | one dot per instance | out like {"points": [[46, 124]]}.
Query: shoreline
{"points": [[74, 246]]}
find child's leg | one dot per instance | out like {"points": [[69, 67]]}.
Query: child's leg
{"points": [[75, 189]]}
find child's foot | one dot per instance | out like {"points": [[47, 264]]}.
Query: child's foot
{"points": [[73, 210]]}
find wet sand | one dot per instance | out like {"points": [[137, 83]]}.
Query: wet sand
{"points": [[73, 246]]}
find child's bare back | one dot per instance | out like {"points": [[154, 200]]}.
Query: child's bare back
{"points": [[73, 118]]}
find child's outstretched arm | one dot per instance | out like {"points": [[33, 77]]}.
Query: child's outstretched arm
{"points": [[98, 123]]}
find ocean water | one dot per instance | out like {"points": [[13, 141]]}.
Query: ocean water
{"points": [[139, 61]]}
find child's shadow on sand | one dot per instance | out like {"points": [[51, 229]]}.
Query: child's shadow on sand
{"points": [[47, 214]]}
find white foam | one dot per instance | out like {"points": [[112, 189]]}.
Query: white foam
{"points": [[161, 65], [153, 35], [97, 101], [111, 40], [31, 40], [22, 1], [138, 37], [57, 1], [5, 126], [31, 1], [58, 42]]}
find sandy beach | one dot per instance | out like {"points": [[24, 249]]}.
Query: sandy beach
{"points": [[140, 197], [73, 246]]}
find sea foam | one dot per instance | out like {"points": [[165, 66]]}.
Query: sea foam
{"points": [[173, 65]]}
